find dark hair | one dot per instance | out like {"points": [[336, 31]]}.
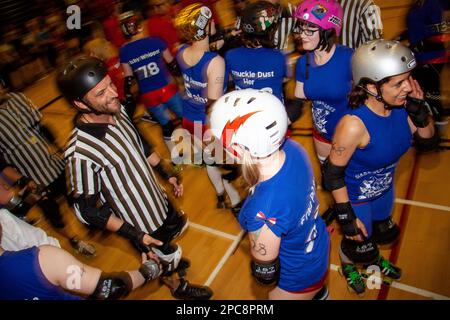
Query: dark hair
{"points": [[254, 41], [358, 95], [327, 39]]}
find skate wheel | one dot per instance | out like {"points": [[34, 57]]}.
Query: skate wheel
{"points": [[387, 281]]}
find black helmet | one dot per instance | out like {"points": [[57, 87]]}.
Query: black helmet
{"points": [[79, 76], [259, 18]]}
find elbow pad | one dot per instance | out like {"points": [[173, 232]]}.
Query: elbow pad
{"points": [[266, 272], [112, 286], [427, 144], [332, 176]]}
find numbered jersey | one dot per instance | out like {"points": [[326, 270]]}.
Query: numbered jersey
{"points": [[288, 205], [145, 58], [257, 68]]}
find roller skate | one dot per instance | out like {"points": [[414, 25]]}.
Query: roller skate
{"points": [[389, 272], [355, 282], [221, 201]]}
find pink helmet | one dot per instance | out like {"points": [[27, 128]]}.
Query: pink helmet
{"points": [[327, 14]]}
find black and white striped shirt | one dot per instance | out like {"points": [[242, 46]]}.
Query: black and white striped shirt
{"points": [[285, 27], [361, 22], [109, 160], [22, 143]]}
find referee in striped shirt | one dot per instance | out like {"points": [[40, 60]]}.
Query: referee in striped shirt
{"points": [[109, 170], [361, 22], [26, 144]]}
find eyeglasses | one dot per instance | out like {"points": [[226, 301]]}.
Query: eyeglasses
{"points": [[307, 32]]}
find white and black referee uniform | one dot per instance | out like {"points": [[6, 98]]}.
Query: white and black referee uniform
{"points": [[109, 161], [22, 142], [361, 22], [285, 27]]}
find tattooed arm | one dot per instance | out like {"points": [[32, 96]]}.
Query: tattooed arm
{"points": [[350, 134], [264, 244]]}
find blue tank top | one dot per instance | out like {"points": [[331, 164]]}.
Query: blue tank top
{"points": [[370, 171], [21, 278], [195, 79], [327, 86], [257, 68], [288, 205], [145, 58]]}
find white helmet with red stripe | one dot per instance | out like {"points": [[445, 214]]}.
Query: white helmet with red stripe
{"points": [[255, 120]]}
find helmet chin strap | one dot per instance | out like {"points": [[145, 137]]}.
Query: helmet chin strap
{"points": [[379, 97]]}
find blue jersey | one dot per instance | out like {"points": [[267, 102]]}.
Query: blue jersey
{"points": [[425, 21], [146, 59], [327, 86], [196, 84], [287, 204], [370, 171], [257, 68], [21, 278]]}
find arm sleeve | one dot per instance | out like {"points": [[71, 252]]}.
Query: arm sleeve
{"points": [[254, 216]]}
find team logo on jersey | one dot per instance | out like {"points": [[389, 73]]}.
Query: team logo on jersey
{"points": [[231, 128], [262, 216], [319, 11]]}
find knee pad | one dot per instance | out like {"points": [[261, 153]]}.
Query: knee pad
{"points": [[169, 261], [322, 294], [174, 225], [385, 231], [167, 130], [87, 211], [365, 252], [112, 286]]}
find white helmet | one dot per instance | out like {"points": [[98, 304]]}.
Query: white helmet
{"points": [[253, 119]]}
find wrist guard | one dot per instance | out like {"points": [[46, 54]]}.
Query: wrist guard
{"points": [[346, 218], [150, 270], [22, 182], [174, 69], [418, 111], [134, 235]]}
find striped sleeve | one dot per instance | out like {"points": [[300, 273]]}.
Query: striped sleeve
{"points": [[371, 24], [82, 177]]}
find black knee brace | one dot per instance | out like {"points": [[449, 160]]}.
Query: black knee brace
{"points": [[365, 252], [385, 231], [91, 213]]}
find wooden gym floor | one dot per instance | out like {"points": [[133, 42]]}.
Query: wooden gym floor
{"points": [[219, 251]]}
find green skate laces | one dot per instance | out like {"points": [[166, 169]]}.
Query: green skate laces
{"points": [[353, 275], [386, 265]]}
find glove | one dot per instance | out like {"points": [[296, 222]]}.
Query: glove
{"points": [[418, 111], [346, 218]]}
